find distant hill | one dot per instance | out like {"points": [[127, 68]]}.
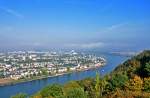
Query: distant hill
{"points": [[137, 65], [129, 80], [132, 78]]}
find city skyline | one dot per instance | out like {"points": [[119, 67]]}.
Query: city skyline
{"points": [[86, 24]]}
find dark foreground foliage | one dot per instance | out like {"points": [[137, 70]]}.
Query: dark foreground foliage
{"points": [[129, 80]]}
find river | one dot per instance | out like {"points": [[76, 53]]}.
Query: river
{"points": [[32, 87]]}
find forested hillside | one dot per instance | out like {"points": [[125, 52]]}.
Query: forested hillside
{"points": [[129, 80]]}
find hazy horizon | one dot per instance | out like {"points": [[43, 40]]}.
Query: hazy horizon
{"points": [[107, 25]]}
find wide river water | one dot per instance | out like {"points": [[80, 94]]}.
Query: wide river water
{"points": [[32, 87]]}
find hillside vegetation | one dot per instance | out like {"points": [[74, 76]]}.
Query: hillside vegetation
{"points": [[129, 80]]}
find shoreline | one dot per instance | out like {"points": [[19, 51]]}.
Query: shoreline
{"points": [[13, 82]]}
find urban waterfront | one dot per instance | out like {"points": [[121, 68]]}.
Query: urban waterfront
{"points": [[27, 65], [33, 86]]}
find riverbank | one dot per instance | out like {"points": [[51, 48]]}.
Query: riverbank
{"points": [[9, 81], [5, 81]]}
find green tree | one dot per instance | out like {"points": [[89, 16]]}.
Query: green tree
{"points": [[20, 95], [57, 68], [68, 68], [88, 85], [118, 81], [1, 74], [103, 83], [70, 85], [53, 91], [97, 86], [147, 69], [76, 93], [147, 84], [44, 71]]}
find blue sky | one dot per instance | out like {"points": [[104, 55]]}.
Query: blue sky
{"points": [[87, 24]]}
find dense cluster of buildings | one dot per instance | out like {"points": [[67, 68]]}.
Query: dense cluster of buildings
{"points": [[26, 64]]}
